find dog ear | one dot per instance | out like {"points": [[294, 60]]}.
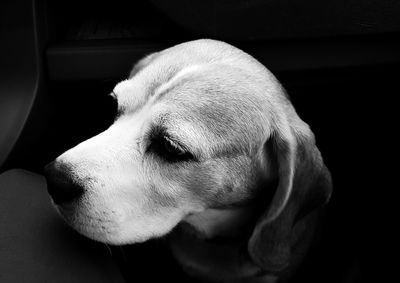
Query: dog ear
{"points": [[142, 63], [304, 185]]}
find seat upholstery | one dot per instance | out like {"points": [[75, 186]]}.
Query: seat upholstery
{"points": [[37, 246]]}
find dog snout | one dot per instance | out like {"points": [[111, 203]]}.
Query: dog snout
{"points": [[60, 184]]}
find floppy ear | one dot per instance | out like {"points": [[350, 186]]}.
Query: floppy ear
{"points": [[304, 185]]}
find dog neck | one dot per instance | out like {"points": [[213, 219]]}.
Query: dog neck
{"points": [[211, 245], [228, 222]]}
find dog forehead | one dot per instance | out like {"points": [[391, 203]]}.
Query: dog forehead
{"points": [[219, 104], [170, 64]]}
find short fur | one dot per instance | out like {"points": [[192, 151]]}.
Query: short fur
{"points": [[243, 208]]}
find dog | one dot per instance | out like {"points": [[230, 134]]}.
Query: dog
{"points": [[207, 150]]}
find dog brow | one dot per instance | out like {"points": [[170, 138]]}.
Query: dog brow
{"points": [[174, 81]]}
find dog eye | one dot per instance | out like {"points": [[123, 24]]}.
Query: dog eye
{"points": [[170, 150], [172, 147]]}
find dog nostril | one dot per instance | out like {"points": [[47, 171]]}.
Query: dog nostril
{"points": [[60, 186]]}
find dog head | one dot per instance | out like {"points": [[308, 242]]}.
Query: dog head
{"points": [[200, 125]]}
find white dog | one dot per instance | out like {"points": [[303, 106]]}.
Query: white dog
{"points": [[205, 137]]}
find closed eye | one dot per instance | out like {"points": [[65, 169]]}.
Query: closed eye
{"points": [[169, 149]]}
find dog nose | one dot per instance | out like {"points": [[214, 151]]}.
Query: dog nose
{"points": [[60, 185]]}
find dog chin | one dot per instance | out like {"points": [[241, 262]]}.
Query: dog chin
{"points": [[106, 237], [99, 234], [90, 228], [97, 230]]}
